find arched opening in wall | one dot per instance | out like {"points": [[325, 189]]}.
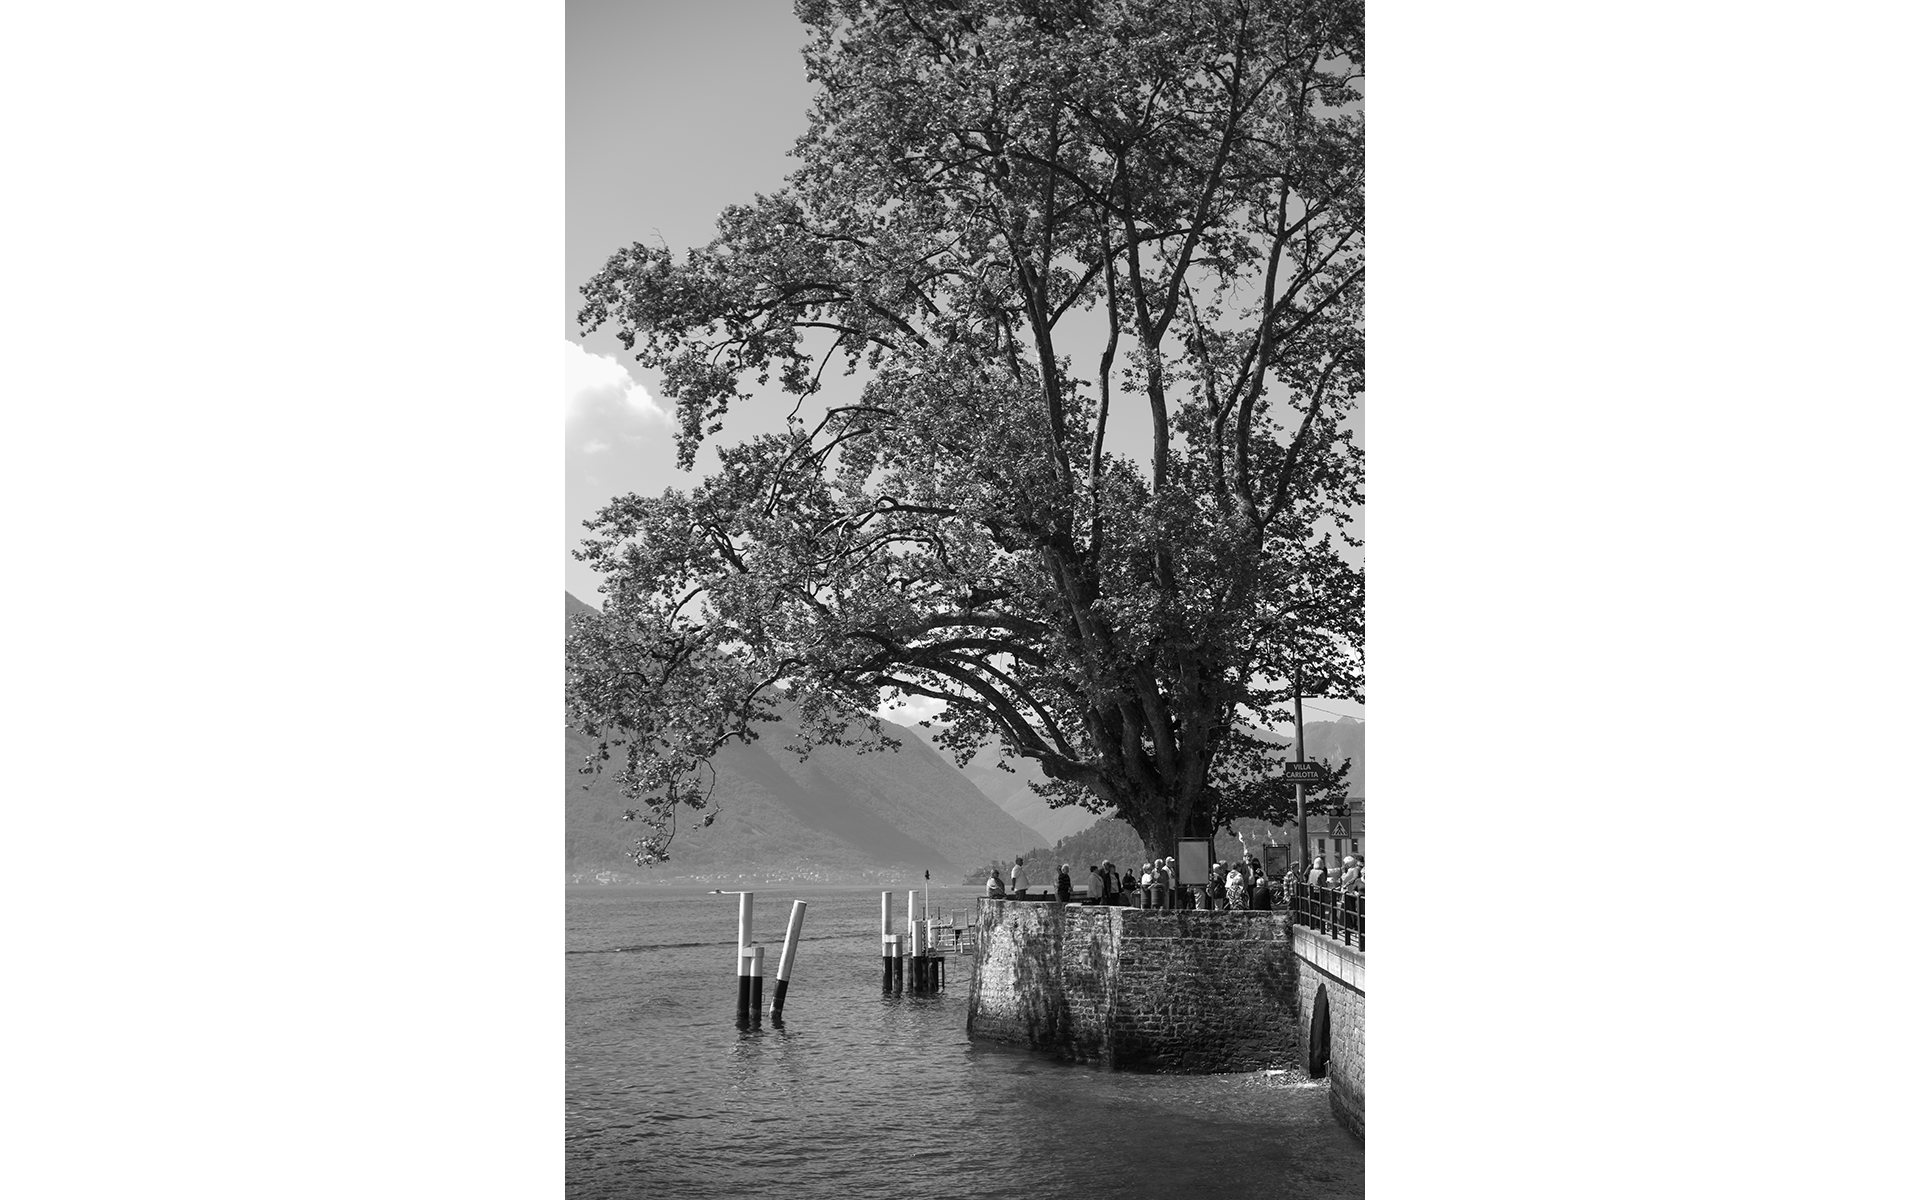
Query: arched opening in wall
{"points": [[1318, 1049]]}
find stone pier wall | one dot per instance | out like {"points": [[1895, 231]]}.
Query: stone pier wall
{"points": [[1191, 992], [1162, 991], [1321, 962]]}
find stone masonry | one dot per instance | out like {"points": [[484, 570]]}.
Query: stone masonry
{"points": [[1191, 992]]}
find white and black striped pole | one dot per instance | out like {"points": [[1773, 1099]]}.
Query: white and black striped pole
{"points": [[756, 957], [787, 959], [884, 934], [743, 955], [911, 930]]}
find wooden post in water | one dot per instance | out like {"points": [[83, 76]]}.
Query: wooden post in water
{"points": [[744, 986], [757, 983], [788, 958], [911, 927], [884, 934], [743, 951], [917, 962]]}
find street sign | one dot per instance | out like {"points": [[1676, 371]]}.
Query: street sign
{"points": [[1300, 772]]}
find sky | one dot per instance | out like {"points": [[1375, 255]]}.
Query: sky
{"points": [[675, 110]]}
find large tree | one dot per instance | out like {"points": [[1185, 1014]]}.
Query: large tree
{"points": [[1011, 221]]}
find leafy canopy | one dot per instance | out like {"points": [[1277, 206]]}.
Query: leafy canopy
{"points": [[1010, 219]]}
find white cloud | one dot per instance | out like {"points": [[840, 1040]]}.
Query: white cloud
{"points": [[598, 385], [909, 710]]}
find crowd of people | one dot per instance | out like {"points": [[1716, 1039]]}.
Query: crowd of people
{"points": [[1242, 885]]}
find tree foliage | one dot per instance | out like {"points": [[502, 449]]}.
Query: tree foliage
{"points": [[1011, 219]]}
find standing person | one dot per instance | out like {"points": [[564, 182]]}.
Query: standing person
{"points": [[1349, 900], [1262, 891], [1018, 879], [1172, 884], [1108, 882], [1216, 888], [1145, 886], [1235, 889], [1158, 889], [1317, 873], [994, 886], [1065, 883], [1095, 886]]}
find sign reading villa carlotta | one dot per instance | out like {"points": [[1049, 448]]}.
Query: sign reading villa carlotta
{"points": [[1299, 772]]}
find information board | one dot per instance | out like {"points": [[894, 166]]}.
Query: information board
{"points": [[1275, 860], [1195, 860]]}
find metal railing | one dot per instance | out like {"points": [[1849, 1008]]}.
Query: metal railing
{"points": [[1330, 911]]}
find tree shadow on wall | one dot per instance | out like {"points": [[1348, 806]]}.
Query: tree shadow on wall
{"points": [[1042, 1000]]}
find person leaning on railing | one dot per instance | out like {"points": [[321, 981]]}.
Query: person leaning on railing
{"points": [[1352, 888], [994, 886]]}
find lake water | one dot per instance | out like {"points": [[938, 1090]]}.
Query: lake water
{"points": [[860, 1094]]}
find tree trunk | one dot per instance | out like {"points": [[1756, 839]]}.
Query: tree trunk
{"points": [[1153, 818]]}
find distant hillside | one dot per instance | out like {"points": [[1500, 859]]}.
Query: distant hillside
{"points": [[1011, 791], [1332, 741], [837, 817]]}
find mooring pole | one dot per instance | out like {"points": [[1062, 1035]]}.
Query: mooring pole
{"points": [[911, 926], [884, 934], [743, 986], [757, 983], [744, 900], [788, 958]]}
